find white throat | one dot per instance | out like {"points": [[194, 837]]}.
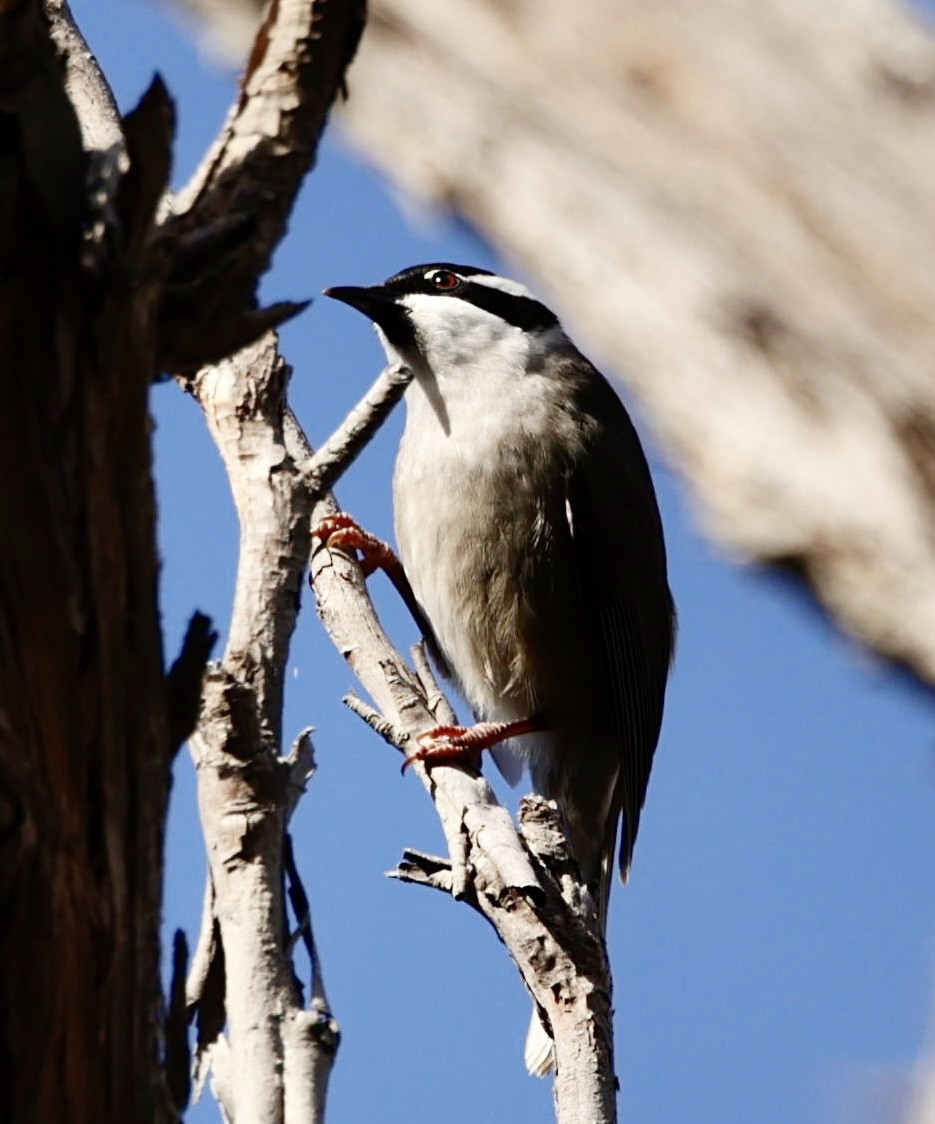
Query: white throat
{"points": [[468, 358]]}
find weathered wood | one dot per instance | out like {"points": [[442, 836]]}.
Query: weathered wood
{"points": [[275, 1058], [84, 746], [269, 1052]]}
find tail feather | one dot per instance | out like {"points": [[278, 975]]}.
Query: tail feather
{"points": [[539, 1054], [599, 867]]}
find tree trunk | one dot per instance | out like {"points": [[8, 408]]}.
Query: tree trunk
{"points": [[95, 300], [84, 747]]}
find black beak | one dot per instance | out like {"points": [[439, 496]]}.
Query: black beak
{"points": [[380, 306], [371, 302]]}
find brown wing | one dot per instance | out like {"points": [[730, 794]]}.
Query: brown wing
{"points": [[621, 563]]}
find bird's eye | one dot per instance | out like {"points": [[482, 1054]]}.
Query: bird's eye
{"points": [[443, 280]]}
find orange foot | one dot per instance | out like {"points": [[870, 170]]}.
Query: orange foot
{"points": [[445, 744], [343, 532]]}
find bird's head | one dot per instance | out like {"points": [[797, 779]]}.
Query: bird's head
{"points": [[442, 318]]}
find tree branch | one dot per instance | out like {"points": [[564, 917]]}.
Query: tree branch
{"points": [[555, 944], [245, 187], [341, 449], [275, 1061]]}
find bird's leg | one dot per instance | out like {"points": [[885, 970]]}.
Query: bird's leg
{"points": [[447, 744], [343, 532], [442, 743]]}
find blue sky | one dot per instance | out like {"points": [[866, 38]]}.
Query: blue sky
{"points": [[774, 952]]}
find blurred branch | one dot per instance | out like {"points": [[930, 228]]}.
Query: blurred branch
{"points": [[919, 1107], [737, 208], [225, 28]]}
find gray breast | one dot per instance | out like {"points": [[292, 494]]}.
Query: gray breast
{"points": [[486, 545]]}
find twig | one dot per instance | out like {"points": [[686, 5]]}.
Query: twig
{"points": [[183, 680], [300, 768], [375, 720], [303, 914], [200, 962], [435, 698], [341, 449], [422, 869]]}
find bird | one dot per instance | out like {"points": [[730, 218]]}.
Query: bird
{"points": [[528, 527]]}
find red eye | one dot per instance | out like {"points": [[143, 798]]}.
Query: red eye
{"points": [[443, 280]]}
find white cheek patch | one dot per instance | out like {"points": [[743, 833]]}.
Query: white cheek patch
{"points": [[436, 309], [452, 332], [472, 365]]}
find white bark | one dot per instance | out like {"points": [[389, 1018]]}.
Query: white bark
{"points": [[274, 1062]]}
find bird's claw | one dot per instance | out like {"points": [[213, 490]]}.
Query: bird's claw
{"points": [[342, 532], [445, 744]]}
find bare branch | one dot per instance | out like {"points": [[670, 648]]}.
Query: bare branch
{"points": [[100, 125], [300, 767], [489, 866], [298, 899], [248, 182], [342, 448], [559, 954], [434, 697], [273, 517], [299, 57], [422, 869], [183, 680], [376, 721], [177, 1063], [246, 792], [557, 950], [204, 950], [85, 84]]}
